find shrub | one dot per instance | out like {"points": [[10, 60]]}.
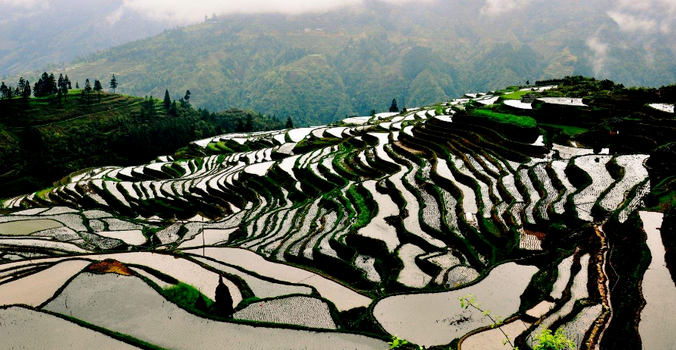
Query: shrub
{"points": [[557, 341]]}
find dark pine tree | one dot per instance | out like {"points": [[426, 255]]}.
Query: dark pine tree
{"points": [[36, 88], [187, 96], [26, 93], [167, 100], [289, 123], [393, 107], [223, 303], [77, 85], [98, 87], [63, 86], [3, 90], [87, 90], [113, 83], [21, 83], [240, 126], [52, 85], [67, 81]]}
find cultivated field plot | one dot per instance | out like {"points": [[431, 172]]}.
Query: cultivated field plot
{"points": [[337, 236]]}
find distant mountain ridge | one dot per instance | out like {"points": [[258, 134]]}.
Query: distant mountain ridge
{"points": [[53, 32], [321, 67]]}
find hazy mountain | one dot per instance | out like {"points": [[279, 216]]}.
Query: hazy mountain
{"points": [[321, 66], [37, 33]]}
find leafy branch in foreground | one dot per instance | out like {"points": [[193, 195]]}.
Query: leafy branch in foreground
{"points": [[546, 340], [469, 300]]}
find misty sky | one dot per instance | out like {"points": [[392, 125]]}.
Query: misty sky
{"points": [[639, 16]]}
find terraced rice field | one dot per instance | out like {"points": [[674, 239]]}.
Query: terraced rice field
{"points": [[374, 224], [658, 290]]}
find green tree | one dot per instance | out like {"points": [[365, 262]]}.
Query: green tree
{"points": [[23, 88], [393, 106], [240, 126], [187, 97], [113, 83], [87, 90], [3, 90], [289, 123], [167, 100], [98, 87], [64, 86], [52, 88], [26, 93]]}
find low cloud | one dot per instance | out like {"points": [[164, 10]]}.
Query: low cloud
{"points": [[631, 23], [499, 7], [14, 10], [27, 4], [600, 52], [645, 16], [181, 11], [115, 16]]}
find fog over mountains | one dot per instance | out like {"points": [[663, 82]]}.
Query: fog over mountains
{"points": [[322, 60]]}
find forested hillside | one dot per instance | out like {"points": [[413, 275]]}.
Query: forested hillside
{"points": [[46, 138], [321, 67]]}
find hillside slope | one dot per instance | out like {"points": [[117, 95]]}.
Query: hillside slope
{"points": [[319, 68], [43, 139]]}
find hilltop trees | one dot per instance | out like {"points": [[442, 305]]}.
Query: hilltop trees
{"points": [[289, 123], [63, 85], [46, 86], [113, 83], [98, 87], [23, 89]]}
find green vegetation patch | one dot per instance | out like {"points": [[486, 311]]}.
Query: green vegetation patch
{"points": [[521, 121], [568, 129], [185, 296], [516, 95]]}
